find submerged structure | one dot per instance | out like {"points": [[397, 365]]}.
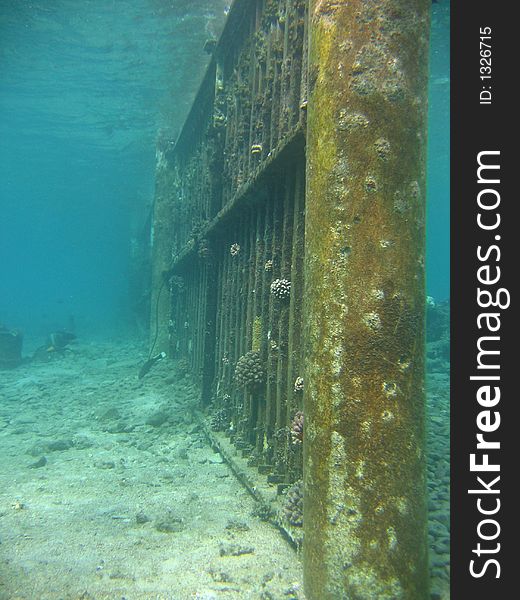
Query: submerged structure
{"points": [[288, 272]]}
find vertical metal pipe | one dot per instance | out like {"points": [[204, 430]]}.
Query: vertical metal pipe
{"points": [[161, 261], [365, 505]]}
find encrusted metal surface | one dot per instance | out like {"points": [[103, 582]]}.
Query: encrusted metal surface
{"points": [[364, 465]]}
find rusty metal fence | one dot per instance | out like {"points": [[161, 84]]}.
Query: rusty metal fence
{"points": [[251, 182], [235, 188]]}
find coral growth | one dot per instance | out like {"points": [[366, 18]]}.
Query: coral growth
{"points": [[249, 370], [293, 509], [220, 419], [298, 384], [297, 428], [281, 288], [203, 248]]}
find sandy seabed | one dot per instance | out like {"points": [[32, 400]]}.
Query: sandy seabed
{"points": [[108, 490]]}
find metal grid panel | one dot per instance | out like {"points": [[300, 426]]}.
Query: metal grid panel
{"points": [[270, 237], [265, 91], [237, 176]]}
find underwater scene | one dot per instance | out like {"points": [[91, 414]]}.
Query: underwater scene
{"points": [[224, 300]]}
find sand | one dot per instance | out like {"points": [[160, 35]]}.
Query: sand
{"points": [[109, 490]]}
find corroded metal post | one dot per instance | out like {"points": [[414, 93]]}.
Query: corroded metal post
{"points": [[364, 464], [161, 256]]}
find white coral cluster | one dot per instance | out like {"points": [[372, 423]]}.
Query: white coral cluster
{"points": [[281, 288]]}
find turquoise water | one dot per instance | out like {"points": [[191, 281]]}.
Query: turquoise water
{"points": [[86, 90], [438, 180]]}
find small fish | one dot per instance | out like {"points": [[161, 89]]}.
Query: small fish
{"points": [[150, 363]]}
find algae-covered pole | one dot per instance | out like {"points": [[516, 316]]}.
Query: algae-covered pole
{"points": [[364, 464]]}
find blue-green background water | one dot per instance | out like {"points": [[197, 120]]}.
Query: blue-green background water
{"points": [[84, 89], [438, 181]]}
